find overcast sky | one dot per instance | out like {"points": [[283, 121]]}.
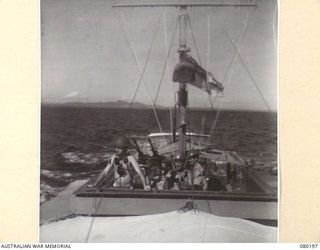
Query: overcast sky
{"points": [[85, 56]]}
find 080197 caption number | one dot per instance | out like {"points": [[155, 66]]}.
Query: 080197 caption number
{"points": [[308, 245]]}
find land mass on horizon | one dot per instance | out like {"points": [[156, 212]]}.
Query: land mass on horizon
{"points": [[120, 104], [110, 104]]}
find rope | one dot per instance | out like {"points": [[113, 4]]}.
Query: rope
{"points": [[92, 221]]}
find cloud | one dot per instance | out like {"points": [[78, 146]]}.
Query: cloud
{"points": [[71, 94]]}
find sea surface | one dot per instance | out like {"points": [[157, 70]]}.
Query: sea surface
{"points": [[76, 142]]}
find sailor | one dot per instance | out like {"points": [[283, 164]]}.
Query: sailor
{"points": [[231, 177], [193, 175], [159, 185], [122, 163], [198, 173], [157, 176], [214, 183], [178, 163], [172, 177]]}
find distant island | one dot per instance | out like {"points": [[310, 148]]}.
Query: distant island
{"points": [[115, 104], [124, 105]]}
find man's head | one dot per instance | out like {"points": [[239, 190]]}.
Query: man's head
{"points": [[178, 161], [122, 144], [198, 170], [193, 155]]}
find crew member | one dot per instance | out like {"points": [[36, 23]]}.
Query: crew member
{"points": [[214, 183], [122, 163], [172, 177], [193, 176], [231, 177]]}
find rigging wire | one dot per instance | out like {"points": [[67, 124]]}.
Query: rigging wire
{"points": [[245, 66], [199, 58], [208, 43], [165, 34], [166, 62], [193, 38], [249, 73], [226, 75], [142, 71]]}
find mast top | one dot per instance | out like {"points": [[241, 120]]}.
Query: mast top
{"points": [[184, 5]]}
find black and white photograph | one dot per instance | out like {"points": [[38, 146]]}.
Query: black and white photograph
{"points": [[159, 121]]}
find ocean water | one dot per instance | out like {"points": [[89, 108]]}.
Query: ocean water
{"points": [[76, 142]]}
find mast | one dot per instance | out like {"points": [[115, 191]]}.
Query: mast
{"points": [[182, 92], [174, 123]]}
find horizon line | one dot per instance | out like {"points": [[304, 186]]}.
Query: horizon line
{"points": [[149, 106]]}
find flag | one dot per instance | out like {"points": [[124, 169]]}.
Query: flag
{"points": [[189, 71]]}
